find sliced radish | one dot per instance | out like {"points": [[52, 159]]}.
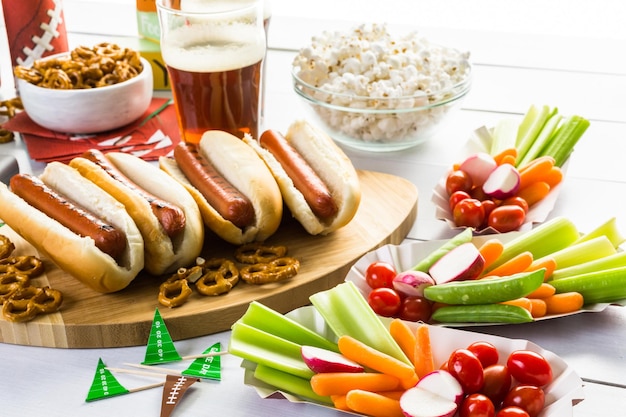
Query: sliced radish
{"points": [[461, 263], [322, 360], [478, 166], [437, 394], [444, 384], [503, 182], [412, 282]]}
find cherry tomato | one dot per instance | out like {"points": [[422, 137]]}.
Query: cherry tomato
{"points": [[506, 218], [458, 181], [512, 412], [528, 397], [466, 368], [380, 274], [455, 197], [415, 308], [516, 201], [488, 206], [478, 194], [497, 383], [468, 212], [486, 353], [477, 405], [529, 367], [384, 301]]}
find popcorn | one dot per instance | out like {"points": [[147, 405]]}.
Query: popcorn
{"points": [[368, 68]]}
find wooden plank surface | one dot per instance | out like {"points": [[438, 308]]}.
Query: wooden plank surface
{"points": [[89, 319]]}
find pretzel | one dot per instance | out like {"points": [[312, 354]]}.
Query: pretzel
{"points": [[11, 282], [10, 106], [175, 291], [6, 247], [6, 136], [24, 265], [256, 252], [220, 276], [278, 269], [27, 302]]}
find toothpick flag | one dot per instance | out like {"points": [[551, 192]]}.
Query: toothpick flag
{"points": [[209, 367], [174, 389], [104, 384], [160, 347]]}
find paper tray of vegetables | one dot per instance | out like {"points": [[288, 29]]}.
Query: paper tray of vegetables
{"points": [[508, 177], [338, 354], [517, 277]]}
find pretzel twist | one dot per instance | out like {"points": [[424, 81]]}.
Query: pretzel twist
{"points": [[26, 303], [6, 247], [24, 265], [220, 276], [276, 270], [257, 252], [174, 292]]}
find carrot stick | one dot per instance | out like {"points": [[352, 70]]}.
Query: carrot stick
{"points": [[508, 159], [539, 160], [535, 192], [514, 265], [340, 383], [404, 337], [566, 302], [539, 307], [535, 171], [339, 402], [507, 153], [554, 177], [491, 250], [523, 302], [373, 404], [547, 262], [423, 361], [374, 359], [545, 290]]}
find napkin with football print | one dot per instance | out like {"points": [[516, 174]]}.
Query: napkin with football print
{"points": [[153, 135]]}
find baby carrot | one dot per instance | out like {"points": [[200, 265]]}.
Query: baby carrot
{"points": [[566, 302], [373, 404], [423, 361], [339, 402], [491, 250], [535, 192], [523, 302], [554, 177], [513, 266], [539, 307], [374, 359], [340, 383], [404, 337], [535, 171], [539, 160], [508, 154], [545, 290], [547, 262]]}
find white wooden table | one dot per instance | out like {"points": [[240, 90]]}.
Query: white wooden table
{"points": [[568, 54]]}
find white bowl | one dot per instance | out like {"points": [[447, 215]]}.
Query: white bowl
{"points": [[93, 110]]}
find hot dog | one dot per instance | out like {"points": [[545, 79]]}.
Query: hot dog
{"points": [[80, 202], [239, 175], [172, 240], [317, 180]]}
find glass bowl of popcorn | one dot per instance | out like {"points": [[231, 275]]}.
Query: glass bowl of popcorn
{"points": [[376, 92]]}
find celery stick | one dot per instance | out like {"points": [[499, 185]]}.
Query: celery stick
{"points": [[603, 286], [288, 383], [347, 313], [463, 237], [270, 321], [541, 140], [548, 237], [504, 135], [264, 348], [565, 138], [586, 251], [616, 260], [608, 229], [530, 128]]}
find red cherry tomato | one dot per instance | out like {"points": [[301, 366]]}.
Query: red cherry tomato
{"points": [[477, 405], [478, 194], [384, 301], [516, 201], [528, 397], [529, 367], [466, 368], [415, 308], [497, 383], [488, 206], [380, 274], [468, 212], [506, 218], [458, 181], [486, 353], [455, 197], [512, 412]]}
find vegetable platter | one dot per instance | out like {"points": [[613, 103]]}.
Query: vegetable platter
{"points": [[508, 177], [588, 268]]}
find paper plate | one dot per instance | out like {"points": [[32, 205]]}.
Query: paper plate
{"points": [[480, 141], [565, 391]]}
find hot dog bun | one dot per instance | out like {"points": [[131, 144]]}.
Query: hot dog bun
{"points": [[333, 167], [163, 254], [239, 164], [77, 255]]}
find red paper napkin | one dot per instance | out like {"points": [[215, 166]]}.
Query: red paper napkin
{"points": [[153, 135]]}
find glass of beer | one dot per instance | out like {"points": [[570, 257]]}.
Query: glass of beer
{"points": [[214, 51]]}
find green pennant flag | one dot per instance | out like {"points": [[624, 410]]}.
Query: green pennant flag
{"points": [[104, 384], [209, 367], [160, 347]]}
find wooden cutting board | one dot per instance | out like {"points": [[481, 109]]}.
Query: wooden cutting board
{"points": [[89, 319]]}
